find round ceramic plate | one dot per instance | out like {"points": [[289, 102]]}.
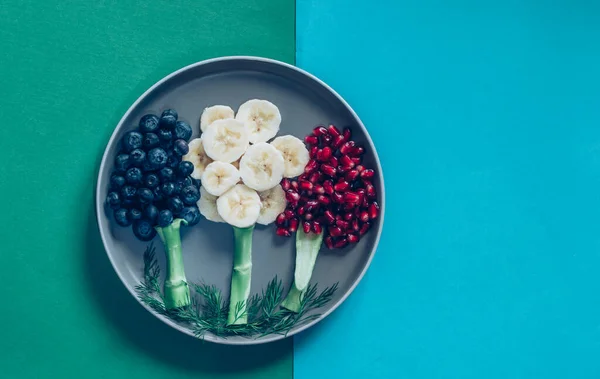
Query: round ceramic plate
{"points": [[304, 102]]}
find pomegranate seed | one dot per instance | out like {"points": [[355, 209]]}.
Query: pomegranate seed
{"points": [[293, 225], [347, 147], [306, 227], [288, 214], [319, 130], [292, 196], [373, 210], [364, 216], [333, 161], [329, 242], [365, 202], [349, 206], [311, 140], [323, 200], [328, 170], [301, 210], [335, 132], [342, 224], [285, 184], [324, 154], [357, 151], [364, 228], [319, 189], [341, 186], [317, 227], [338, 217], [348, 216], [337, 142], [311, 205], [351, 175], [347, 133], [304, 185], [313, 152], [342, 242], [356, 160], [326, 139], [335, 231], [337, 198], [353, 238], [329, 217], [328, 187], [367, 174], [280, 220], [371, 191], [347, 162], [342, 169], [283, 232], [308, 216], [360, 168], [310, 166], [351, 198], [355, 225], [294, 185], [315, 177], [303, 176]]}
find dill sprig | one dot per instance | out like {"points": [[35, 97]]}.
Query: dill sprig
{"points": [[208, 310]]}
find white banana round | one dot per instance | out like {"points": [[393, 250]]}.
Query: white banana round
{"points": [[219, 177], [207, 205], [295, 155], [240, 206], [261, 118], [225, 140], [273, 203], [261, 167], [214, 113], [197, 156]]}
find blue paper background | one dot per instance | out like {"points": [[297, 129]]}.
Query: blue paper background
{"points": [[486, 116]]}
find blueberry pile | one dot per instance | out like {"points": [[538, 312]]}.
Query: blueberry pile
{"points": [[150, 184]]}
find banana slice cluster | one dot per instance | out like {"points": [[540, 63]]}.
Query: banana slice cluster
{"points": [[239, 170]]}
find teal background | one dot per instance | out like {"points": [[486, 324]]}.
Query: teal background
{"points": [[486, 116]]}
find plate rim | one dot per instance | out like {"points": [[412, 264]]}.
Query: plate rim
{"points": [[100, 213]]}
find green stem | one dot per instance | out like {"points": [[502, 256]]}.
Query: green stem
{"points": [[241, 276], [176, 290], [307, 250]]}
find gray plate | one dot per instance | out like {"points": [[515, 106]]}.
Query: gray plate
{"points": [[304, 101]]}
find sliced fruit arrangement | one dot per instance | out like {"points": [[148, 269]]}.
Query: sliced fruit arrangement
{"points": [[153, 190]]}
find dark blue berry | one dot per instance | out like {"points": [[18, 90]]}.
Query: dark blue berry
{"points": [[168, 189], [128, 193], [145, 195], [122, 162], [151, 213], [151, 141], [175, 204], [134, 176], [114, 200], [151, 180], [157, 158], [132, 141], [185, 169], [180, 147], [191, 215], [190, 195], [186, 182], [170, 112], [173, 161], [144, 230], [149, 123], [134, 214], [165, 218], [183, 130], [178, 187], [116, 182], [137, 157], [168, 122], [121, 217], [167, 174], [196, 182], [127, 203], [165, 135], [158, 194]]}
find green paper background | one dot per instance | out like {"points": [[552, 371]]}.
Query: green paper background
{"points": [[69, 70]]}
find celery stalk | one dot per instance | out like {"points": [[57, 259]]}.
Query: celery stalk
{"points": [[241, 276], [176, 290]]}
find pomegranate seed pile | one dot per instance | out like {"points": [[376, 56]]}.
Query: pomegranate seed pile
{"points": [[335, 194]]}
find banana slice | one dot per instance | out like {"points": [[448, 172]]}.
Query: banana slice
{"points": [[198, 157], [219, 177], [214, 113], [262, 166], [273, 203], [225, 140], [261, 118], [295, 155], [240, 206], [208, 206]]}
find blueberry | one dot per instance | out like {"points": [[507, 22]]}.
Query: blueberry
{"points": [[180, 147], [158, 194], [186, 182], [145, 195], [178, 188], [168, 122], [121, 217], [151, 141], [190, 195], [149, 123], [165, 135], [132, 141], [165, 218], [134, 214], [196, 182], [134, 176], [147, 166], [137, 157], [128, 193], [122, 162], [167, 174], [144, 230], [191, 215], [127, 203], [157, 158], [151, 180], [151, 213], [170, 112], [183, 130], [116, 182], [175, 204], [185, 169], [173, 161], [114, 200], [168, 189]]}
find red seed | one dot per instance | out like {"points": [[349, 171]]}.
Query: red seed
{"points": [[351, 198], [319, 189], [346, 162], [347, 133], [373, 210], [313, 152], [360, 168], [338, 217], [364, 228], [311, 140], [305, 186], [351, 175], [308, 216], [283, 232], [371, 191], [311, 205], [335, 231], [303, 176], [356, 160], [329, 217], [365, 202], [301, 210], [323, 200], [357, 151], [337, 198], [347, 147], [292, 196], [342, 169], [342, 242], [288, 214], [328, 187], [367, 174], [319, 130], [306, 226], [326, 139], [337, 142], [294, 185], [364, 216], [355, 225], [285, 184], [348, 216], [280, 220], [314, 178], [353, 238], [328, 170], [324, 154], [293, 225], [317, 227], [335, 132], [329, 242], [342, 224], [341, 186], [310, 166]]}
